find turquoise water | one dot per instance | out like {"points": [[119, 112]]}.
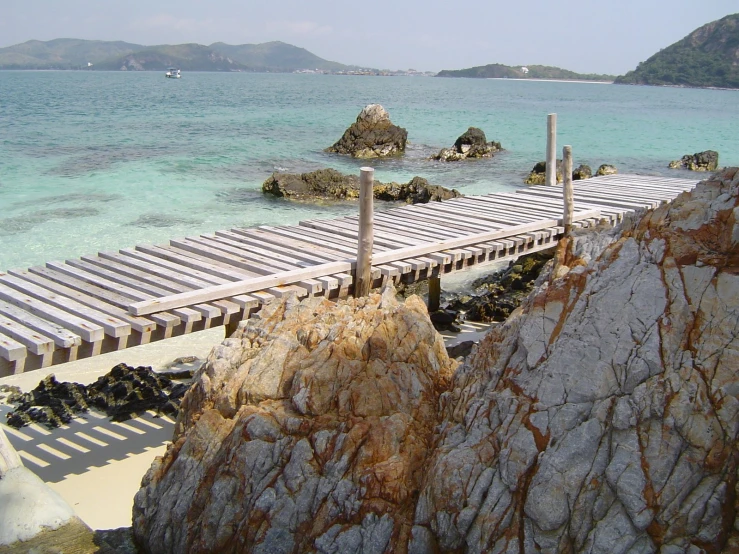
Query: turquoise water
{"points": [[94, 161]]}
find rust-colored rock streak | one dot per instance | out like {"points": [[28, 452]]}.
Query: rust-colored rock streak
{"points": [[603, 415], [307, 430]]}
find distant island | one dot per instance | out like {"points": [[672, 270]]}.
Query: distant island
{"points": [[500, 71], [66, 53], [707, 57]]}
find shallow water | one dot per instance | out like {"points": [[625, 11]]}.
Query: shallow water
{"points": [[95, 161]]}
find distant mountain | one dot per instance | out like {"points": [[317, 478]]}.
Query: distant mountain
{"points": [[187, 57], [707, 57], [500, 71], [276, 56], [76, 54], [62, 53]]}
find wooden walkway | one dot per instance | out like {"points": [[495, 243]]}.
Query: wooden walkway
{"points": [[95, 304]]}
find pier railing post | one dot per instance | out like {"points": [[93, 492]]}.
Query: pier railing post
{"points": [[363, 274], [551, 172], [567, 191]]}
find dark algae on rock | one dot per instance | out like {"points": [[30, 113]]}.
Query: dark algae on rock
{"points": [[121, 393]]}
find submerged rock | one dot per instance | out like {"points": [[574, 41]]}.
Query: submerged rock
{"points": [[700, 161], [307, 430], [333, 185], [372, 135], [471, 144]]}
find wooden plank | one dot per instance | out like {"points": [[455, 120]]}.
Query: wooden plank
{"points": [[11, 349], [219, 291], [140, 324], [35, 342], [279, 245], [113, 326], [119, 284], [149, 281], [83, 286], [89, 332], [62, 337]]}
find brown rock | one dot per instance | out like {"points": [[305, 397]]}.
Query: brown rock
{"points": [[372, 135], [471, 144], [333, 185], [307, 430]]}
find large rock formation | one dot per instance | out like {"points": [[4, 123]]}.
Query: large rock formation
{"points": [[333, 185], [700, 161], [471, 144], [372, 135], [603, 417], [307, 430]]}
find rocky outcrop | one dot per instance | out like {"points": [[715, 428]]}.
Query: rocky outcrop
{"points": [[372, 135], [582, 172], [333, 185], [307, 430], [603, 416], [538, 174], [606, 169], [700, 161], [471, 144]]}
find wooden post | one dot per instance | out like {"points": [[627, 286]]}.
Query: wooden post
{"points": [[363, 276], [551, 174], [434, 294], [567, 191]]}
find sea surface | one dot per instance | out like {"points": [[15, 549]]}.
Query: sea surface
{"points": [[93, 161]]}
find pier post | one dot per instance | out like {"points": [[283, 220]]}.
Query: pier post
{"points": [[434, 302], [551, 173], [567, 191], [363, 275]]}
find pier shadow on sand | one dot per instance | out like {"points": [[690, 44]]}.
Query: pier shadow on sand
{"points": [[93, 440]]}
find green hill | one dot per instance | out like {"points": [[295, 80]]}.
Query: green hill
{"points": [[707, 57], [276, 56], [500, 71], [188, 57], [62, 53], [113, 56]]}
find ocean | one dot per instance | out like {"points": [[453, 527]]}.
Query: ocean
{"points": [[93, 161]]}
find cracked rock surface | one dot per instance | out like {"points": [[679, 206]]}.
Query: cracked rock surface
{"points": [[603, 416], [307, 430]]}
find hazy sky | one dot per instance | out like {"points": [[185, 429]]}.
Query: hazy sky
{"points": [[594, 36]]}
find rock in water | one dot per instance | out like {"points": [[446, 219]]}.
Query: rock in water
{"points": [[307, 430], [603, 416], [700, 161], [372, 135], [538, 174], [471, 144], [606, 169], [333, 185], [582, 172]]}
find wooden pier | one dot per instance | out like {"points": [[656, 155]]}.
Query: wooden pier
{"points": [[101, 303]]}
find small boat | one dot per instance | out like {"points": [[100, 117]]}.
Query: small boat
{"points": [[172, 73]]}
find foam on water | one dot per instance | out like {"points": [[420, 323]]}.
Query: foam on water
{"points": [[95, 161]]}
